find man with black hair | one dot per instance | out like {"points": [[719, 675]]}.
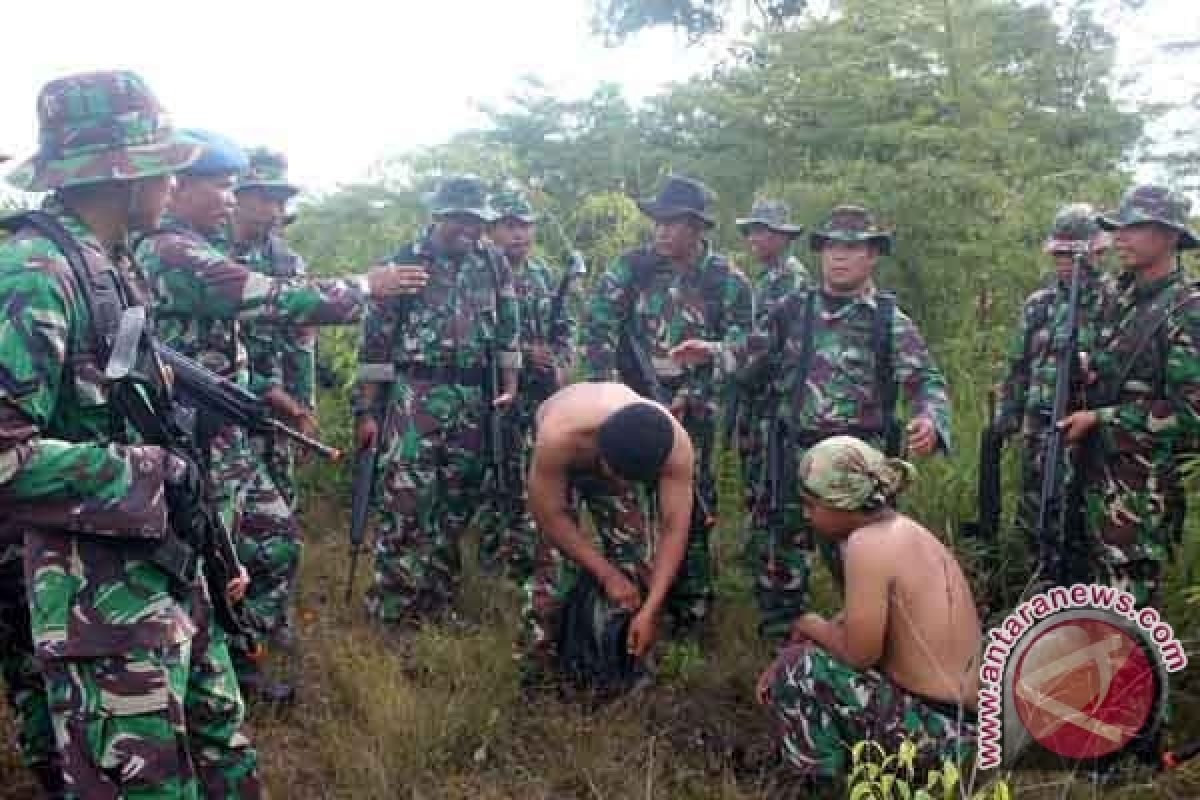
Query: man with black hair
{"points": [[598, 441]]}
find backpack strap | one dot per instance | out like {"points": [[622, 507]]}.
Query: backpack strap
{"points": [[1153, 332], [104, 295]]}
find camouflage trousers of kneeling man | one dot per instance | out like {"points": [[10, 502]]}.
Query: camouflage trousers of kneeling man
{"points": [[153, 724], [823, 707]]}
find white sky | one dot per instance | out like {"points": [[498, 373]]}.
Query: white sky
{"points": [[337, 85], [340, 85]]}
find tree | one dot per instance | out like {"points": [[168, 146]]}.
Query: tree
{"points": [[617, 20]]}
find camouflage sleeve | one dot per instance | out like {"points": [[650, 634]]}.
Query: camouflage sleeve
{"points": [[602, 329], [86, 487], [192, 278], [1014, 387], [738, 322], [508, 317], [1176, 421], [919, 378]]}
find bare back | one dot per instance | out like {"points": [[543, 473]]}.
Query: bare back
{"points": [[932, 636]]}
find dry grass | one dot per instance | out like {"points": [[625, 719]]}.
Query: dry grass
{"points": [[440, 716]]}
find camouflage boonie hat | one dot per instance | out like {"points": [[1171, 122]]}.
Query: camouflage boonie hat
{"points": [[461, 194], [101, 126], [1159, 204], [849, 475], [772, 215], [850, 224], [511, 203], [1075, 230], [267, 171]]}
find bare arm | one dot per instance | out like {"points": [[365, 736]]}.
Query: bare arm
{"points": [[856, 637], [675, 507], [675, 492]]}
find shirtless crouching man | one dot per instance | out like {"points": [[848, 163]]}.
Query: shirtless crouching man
{"points": [[600, 440], [901, 659]]}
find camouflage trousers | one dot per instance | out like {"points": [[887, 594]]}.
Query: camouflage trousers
{"points": [[507, 533], [822, 708], [624, 541], [265, 533], [692, 593], [22, 676], [280, 457], [158, 723], [432, 471]]}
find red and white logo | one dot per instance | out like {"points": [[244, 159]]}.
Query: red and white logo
{"points": [[1084, 688]]}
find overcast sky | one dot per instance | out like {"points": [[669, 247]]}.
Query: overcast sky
{"points": [[338, 85]]}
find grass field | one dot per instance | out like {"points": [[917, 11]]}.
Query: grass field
{"points": [[440, 716]]}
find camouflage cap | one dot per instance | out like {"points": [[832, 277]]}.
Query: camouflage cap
{"points": [[101, 126], [849, 475], [267, 170], [461, 194], [511, 203], [1075, 229], [850, 224], [1149, 203], [771, 214]]}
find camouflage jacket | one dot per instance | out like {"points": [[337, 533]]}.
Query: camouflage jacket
{"points": [[536, 287], [1027, 396], [712, 301], [283, 356], [775, 283], [1148, 404], [841, 391], [203, 297], [92, 502], [460, 315]]}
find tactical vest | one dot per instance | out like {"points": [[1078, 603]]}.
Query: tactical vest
{"points": [[105, 295], [799, 324]]}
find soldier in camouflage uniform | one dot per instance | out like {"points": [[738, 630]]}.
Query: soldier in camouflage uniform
{"points": [[830, 357], [506, 535], [203, 299], [1144, 402], [900, 662], [1026, 402], [138, 676], [282, 358], [769, 237], [427, 358], [678, 290], [24, 687]]}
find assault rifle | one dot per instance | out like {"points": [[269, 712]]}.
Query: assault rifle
{"points": [[211, 395], [1054, 517], [637, 372], [543, 382], [362, 489], [777, 477]]}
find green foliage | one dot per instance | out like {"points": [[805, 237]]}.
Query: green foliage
{"points": [[878, 775]]}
